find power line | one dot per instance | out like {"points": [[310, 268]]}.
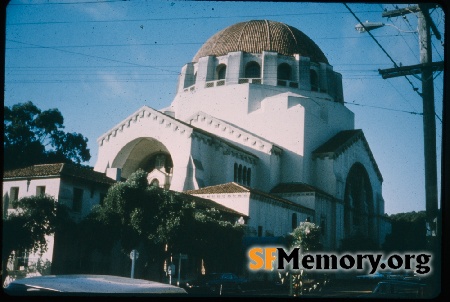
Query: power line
{"points": [[179, 18], [376, 41], [384, 108], [97, 57], [65, 3]]}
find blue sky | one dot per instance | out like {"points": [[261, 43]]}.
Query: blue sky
{"points": [[99, 61]]}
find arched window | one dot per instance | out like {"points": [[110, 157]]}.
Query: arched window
{"points": [[221, 71], [240, 174], [154, 183], [252, 70], [236, 172], [284, 72], [249, 176], [294, 221], [314, 80], [244, 176], [358, 203]]}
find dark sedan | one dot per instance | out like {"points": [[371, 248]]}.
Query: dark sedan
{"points": [[216, 284]]}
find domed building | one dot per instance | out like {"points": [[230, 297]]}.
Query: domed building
{"points": [[258, 125]]}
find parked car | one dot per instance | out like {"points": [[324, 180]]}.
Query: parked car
{"points": [[399, 289], [216, 284], [80, 285], [374, 276]]}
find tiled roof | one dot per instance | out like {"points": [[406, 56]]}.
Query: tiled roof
{"points": [[340, 142], [208, 203], [57, 170], [230, 187], [233, 187], [297, 187], [256, 36]]}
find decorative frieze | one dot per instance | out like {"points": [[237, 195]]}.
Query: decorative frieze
{"points": [[235, 133], [143, 113]]}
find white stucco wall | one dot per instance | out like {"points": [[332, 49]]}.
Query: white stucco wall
{"points": [[274, 217], [26, 189], [52, 186], [116, 145]]}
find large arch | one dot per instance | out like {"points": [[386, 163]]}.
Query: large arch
{"points": [[148, 154], [358, 203]]}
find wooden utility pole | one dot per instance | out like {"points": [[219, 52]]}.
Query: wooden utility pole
{"points": [[426, 68]]}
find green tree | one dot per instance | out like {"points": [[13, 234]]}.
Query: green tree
{"points": [[306, 237], [32, 136], [408, 232], [159, 222], [25, 228]]}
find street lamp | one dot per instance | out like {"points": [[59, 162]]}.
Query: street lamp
{"points": [[368, 26]]}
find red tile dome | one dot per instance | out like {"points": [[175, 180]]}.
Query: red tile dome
{"points": [[256, 36]]}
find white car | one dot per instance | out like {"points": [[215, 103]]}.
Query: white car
{"points": [[89, 285]]}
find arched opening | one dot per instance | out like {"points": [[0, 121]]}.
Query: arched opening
{"points": [[221, 72], [314, 80], [148, 154], [252, 70], [358, 204], [236, 172], [284, 72]]}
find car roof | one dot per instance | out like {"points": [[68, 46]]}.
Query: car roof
{"points": [[102, 284]]}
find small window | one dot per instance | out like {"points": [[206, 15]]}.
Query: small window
{"points": [[154, 183], [77, 200], [322, 226], [260, 230], [235, 172], [102, 199], [40, 190], [252, 70], [240, 174], [249, 176], [92, 191], [244, 176], [294, 221], [22, 259], [314, 80], [14, 194], [221, 71], [160, 161], [284, 72]]}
